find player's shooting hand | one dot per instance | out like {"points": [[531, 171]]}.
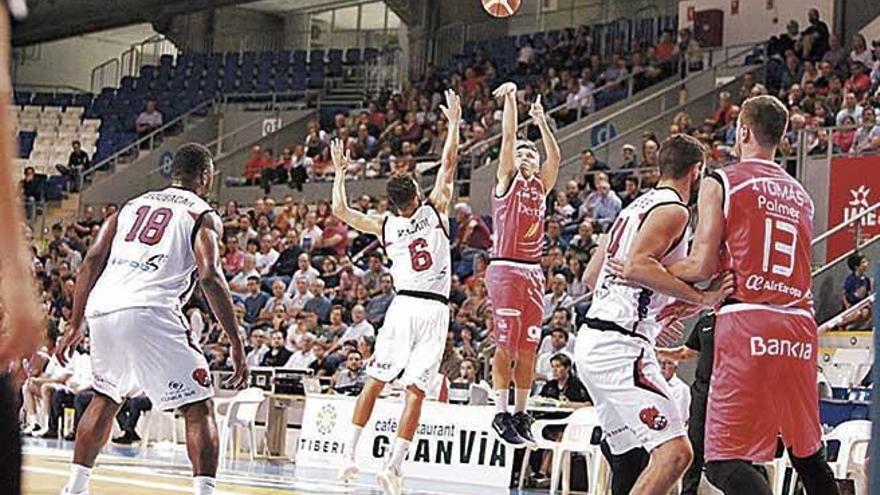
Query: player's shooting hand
{"points": [[241, 375], [72, 339], [504, 90], [721, 286], [452, 109], [341, 156], [537, 112]]}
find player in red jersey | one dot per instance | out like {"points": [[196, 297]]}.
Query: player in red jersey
{"points": [[756, 220], [514, 278]]}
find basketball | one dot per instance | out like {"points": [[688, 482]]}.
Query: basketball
{"points": [[501, 8]]}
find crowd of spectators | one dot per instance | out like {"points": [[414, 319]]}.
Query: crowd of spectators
{"points": [[396, 131]]}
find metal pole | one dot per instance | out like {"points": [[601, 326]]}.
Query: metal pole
{"points": [[874, 463]]}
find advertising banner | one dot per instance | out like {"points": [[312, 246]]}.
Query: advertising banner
{"points": [[453, 443], [853, 188]]}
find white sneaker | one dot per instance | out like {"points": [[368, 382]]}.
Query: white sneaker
{"points": [[390, 482], [30, 428], [348, 471]]}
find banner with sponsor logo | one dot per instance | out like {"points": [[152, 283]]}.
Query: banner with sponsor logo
{"points": [[853, 188], [453, 443]]}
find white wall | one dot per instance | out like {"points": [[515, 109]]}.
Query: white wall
{"points": [[70, 62], [755, 22], [872, 31]]}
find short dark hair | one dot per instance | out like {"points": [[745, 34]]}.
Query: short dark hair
{"points": [[561, 359], [854, 260], [401, 190], [189, 161], [354, 352], [559, 330], [633, 179], [678, 154], [76, 142], [767, 117], [253, 278]]}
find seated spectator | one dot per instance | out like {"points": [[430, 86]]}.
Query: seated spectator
{"points": [[278, 300], [333, 240], [563, 211], [277, 355], [850, 108], [679, 390], [150, 119], [566, 387], [310, 236], [473, 311], [77, 162], [845, 136], [253, 166], [378, 305], [583, 243], [238, 283], [553, 236], [867, 137], [335, 328], [303, 357], [32, 190], [300, 168], [300, 296], [322, 366], [602, 206], [859, 81], [374, 273], [78, 373], [367, 346], [266, 256], [359, 327], [558, 344], [472, 232], [350, 380], [255, 300], [857, 287], [319, 304], [558, 296], [256, 348], [128, 417], [450, 363], [233, 260]]}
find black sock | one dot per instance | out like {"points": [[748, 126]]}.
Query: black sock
{"points": [[815, 474], [737, 477]]}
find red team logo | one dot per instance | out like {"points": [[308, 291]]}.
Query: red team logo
{"points": [[653, 419], [202, 377]]}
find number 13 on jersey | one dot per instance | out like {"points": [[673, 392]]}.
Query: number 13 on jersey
{"points": [[780, 237]]}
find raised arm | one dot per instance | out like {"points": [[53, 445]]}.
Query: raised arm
{"points": [[506, 158], [207, 252], [550, 170], [23, 316], [703, 261], [91, 269], [368, 224], [441, 195], [659, 230], [591, 273]]}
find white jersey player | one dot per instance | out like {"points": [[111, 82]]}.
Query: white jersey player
{"points": [[136, 277], [413, 336], [615, 348]]}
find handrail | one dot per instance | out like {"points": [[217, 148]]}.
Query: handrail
{"points": [[827, 266], [67, 88], [839, 318], [837, 228], [148, 138]]}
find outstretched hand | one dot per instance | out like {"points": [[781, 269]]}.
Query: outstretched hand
{"points": [[452, 109], [504, 90], [341, 156], [537, 112]]}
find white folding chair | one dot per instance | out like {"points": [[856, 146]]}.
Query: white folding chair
{"points": [[853, 437], [152, 422], [579, 427], [241, 413]]}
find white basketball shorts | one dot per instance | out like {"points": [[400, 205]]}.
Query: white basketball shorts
{"points": [[632, 398], [148, 349], [412, 341]]}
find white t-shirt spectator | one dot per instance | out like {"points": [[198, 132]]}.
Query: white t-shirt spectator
{"points": [[255, 357], [240, 280], [526, 55], [151, 119], [265, 261], [356, 332], [311, 274], [300, 360]]}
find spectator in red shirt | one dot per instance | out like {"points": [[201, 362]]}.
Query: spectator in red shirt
{"points": [[472, 81], [253, 167], [721, 117], [859, 81], [233, 260], [666, 48], [472, 232], [334, 238]]}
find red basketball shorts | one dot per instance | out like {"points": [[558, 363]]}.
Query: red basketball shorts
{"points": [[763, 384], [517, 294]]}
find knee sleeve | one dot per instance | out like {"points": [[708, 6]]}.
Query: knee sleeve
{"points": [[625, 468], [815, 474], [737, 477]]}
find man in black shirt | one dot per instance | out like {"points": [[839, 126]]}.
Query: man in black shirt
{"points": [[816, 38], [699, 344], [278, 354], [76, 163]]}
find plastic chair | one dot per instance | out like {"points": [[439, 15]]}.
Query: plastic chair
{"points": [[853, 437], [576, 438], [241, 412], [151, 418]]}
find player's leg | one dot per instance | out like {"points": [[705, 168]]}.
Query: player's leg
{"points": [[798, 406], [528, 339], [363, 409], [390, 479], [625, 468], [10, 453], [91, 435], [668, 462], [734, 477], [202, 444]]}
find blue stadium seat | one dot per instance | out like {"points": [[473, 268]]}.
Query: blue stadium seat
{"points": [[26, 143], [316, 56], [353, 56], [299, 58], [22, 97]]}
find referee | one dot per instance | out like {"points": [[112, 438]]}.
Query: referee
{"points": [[700, 343]]}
